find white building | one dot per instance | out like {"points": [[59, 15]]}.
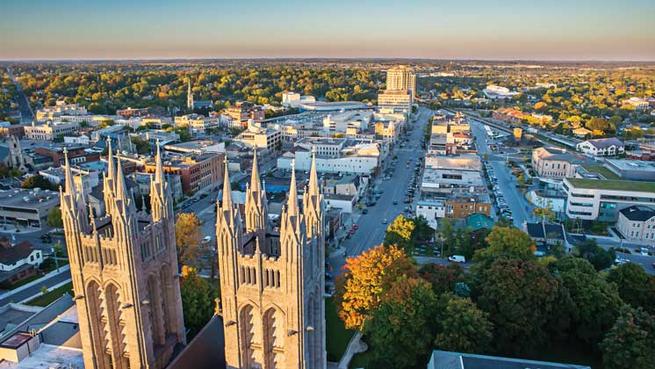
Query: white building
{"points": [[78, 140], [340, 122], [13, 257], [344, 203], [602, 147], [50, 130], [551, 162], [196, 123], [260, 138], [637, 224], [294, 100], [401, 78], [637, 102], [333, 156], [431, 210], [395, 101], [451, 171], [593, 199], [495, 92], [60, 109]]}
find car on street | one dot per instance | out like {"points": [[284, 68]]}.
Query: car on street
{"points": [[457, 259]]}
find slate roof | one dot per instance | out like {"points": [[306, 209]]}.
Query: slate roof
{"points": [[456, 360], [206, 350], [638, 213], [536, 230], [601, 143], [11, 254]]}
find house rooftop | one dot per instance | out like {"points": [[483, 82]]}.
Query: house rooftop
{"points": [[638, 213], [457, 360], [601, 143]]}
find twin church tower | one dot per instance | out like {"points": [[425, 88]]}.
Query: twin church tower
{"points": [[126, 282]]}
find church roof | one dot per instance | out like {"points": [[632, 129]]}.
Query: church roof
{"points": [[206, 350]]}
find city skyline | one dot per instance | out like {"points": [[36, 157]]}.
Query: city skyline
{"points": [[556, 31]]}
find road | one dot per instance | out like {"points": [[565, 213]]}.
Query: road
{"points": [[35, 289], [520, 207], [27, 115], [371, 226]]}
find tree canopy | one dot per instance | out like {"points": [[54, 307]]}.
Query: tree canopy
{"points": [[187, 238], [366, 279]]}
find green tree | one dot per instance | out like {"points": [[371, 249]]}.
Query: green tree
{"points": [[596, 255], [630, 343], [38, 181], [142, 146], [520, 297], [545, 214], [422, 230], [596, 302], [401, 329], [54, 218], [462, 326], [468, 242], [399, 233], [636, 287], [198, 299], [506, 242], [443, 278]]}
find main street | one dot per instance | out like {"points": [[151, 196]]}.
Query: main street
{"points": [[372, 226], [520, 207]]}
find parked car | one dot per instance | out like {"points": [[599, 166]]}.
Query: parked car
{"points": [[457, 259]]}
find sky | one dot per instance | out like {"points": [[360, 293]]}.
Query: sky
{"points": [[613, 30]]}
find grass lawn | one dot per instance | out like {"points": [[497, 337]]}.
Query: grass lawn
{"points": [[361, 361], [337, 336], [608, 174], [52, 295]]}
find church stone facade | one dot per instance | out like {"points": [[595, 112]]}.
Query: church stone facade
{"points": [[125, 274], [272, 278]]}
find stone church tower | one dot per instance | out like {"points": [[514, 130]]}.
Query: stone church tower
{"points": [[272, 279], [16, 159], [125, 274]]}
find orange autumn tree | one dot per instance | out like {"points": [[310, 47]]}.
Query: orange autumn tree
{"points": [[365, 280]]}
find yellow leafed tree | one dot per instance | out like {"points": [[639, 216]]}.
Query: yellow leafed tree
{"points": [[365, 280]]}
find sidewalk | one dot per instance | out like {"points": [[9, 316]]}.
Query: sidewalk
{"points": [[355, 346], [10, 293]]}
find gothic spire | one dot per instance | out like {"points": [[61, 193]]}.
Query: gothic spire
{"points": [[313, 177], [68, 176], [121, 187], [159, 170], [255, 183], [111, 170], [292, 205], [227, 188]]}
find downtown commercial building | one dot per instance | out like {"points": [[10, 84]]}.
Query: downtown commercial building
{"points": [[196, 172]]}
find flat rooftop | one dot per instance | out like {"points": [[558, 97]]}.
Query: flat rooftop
{"points": [[632, 165], [49, 356], [613, 185], [30, 199]]}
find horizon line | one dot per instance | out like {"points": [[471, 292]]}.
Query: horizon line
{"points": [[346, 58]]}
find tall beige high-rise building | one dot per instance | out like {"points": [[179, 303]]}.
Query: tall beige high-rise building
{"points": [[272, 280], [124, 271], [401, 78]]}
